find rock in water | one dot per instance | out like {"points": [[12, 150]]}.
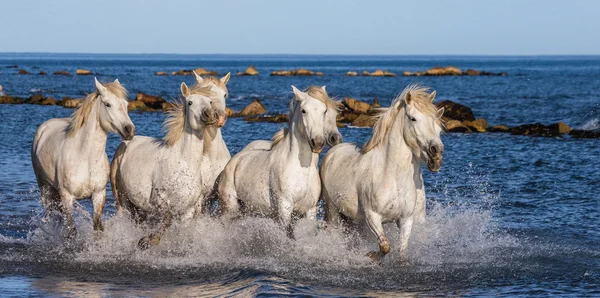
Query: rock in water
{"points": [[364, 120], [250, 71], [456, 126], [151, 101], [83, 72], [456, 111], [357, 106], [254, 108]]}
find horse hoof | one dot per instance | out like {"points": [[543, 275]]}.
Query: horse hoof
{"points": [[148, 241], [375, 256]]}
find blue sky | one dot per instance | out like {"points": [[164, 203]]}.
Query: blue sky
{"points": [[424, 27]]}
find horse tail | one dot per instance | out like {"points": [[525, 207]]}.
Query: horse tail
{"points": [[114, 175]]}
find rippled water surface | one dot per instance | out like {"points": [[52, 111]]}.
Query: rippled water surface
{"points": [[507, 215]]}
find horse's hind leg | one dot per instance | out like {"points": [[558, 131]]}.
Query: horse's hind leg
{"points": [[374, 222], [98, 199]]}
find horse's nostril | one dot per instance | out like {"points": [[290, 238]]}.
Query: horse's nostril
{"points": [[433, 149]]}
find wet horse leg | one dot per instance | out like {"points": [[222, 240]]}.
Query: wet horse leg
{"points": [[154, 238], [98, 199], [374, 222], [285, 209], [67, 201], [405, 226]]}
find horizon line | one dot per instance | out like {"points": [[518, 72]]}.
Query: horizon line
{"points": [[295, 54]]}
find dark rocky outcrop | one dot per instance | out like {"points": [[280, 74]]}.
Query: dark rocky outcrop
{"points": [[452, 71], [585, 134], [356, 106], [277, 118], [61, 73], [23, 72], [161, 73], [538, 129], [456, 126], [71, 103], [38, 99], [296, 72], [151, 101], [456, 111], [364, 120]]}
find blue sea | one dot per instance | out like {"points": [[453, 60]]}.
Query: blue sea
{"points": [[507, 215]]}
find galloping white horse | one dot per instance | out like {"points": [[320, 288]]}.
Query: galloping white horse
{"points": [[163, 178], [69, 154], [283, 180], [215, 150], [382, 183], [331, 130]]}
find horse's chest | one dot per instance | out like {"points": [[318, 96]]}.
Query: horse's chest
{"points": [[84, 178], [394, 201]]}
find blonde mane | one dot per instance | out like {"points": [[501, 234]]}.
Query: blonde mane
{"points": [[206, 82], [315, 92], [80, 116], [175, 122], [385, 120]]}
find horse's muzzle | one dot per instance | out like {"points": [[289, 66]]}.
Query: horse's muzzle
{"points": [[128, 132], [209, 117], [317, 144], [221, 118], [334, 139], [434, 163]]}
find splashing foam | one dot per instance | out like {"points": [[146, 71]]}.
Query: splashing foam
{"points": [[593, 124], [454, 235]]}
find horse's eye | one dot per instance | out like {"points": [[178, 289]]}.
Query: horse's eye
{"points": [[325, 112], [107, 105], [225, 96], [211, 102], [303, 111], [412, 119], [190, 103]]}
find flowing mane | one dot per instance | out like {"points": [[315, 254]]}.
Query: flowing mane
{"points": [[80, 116], [315, 92], [385, 120], [206, 83], [175, 122]]}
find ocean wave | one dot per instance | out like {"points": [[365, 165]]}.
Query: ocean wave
{"points": [[592, 124]]}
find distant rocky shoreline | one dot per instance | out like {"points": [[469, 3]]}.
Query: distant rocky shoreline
{"points": [[253, 71], [458, 118]]}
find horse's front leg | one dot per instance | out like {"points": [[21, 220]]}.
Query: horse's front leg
{"points": [[374, 222], [67, 201], [98, 200], [286, 208], [154, 238], [405, 226]]}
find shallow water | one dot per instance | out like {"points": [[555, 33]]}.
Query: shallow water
{"points": [[507, 215]]}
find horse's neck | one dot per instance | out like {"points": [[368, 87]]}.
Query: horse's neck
{"points": [[190, 145], [397, 153], [91, 137], [295, 147], [214, 145]]}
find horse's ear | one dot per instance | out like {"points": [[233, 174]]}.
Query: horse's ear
{"points": [[225, 79], [408, 98], [299, 94], [432, 96], [117, 81], [440, 112], [323, 88], [100, 87], [185, 91], [199, 79]]}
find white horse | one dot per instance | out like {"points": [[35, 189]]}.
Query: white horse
{"points": [[160, 179], [382, 183], [69, 154], [281, 181], [215, 150], [333, 134]]}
